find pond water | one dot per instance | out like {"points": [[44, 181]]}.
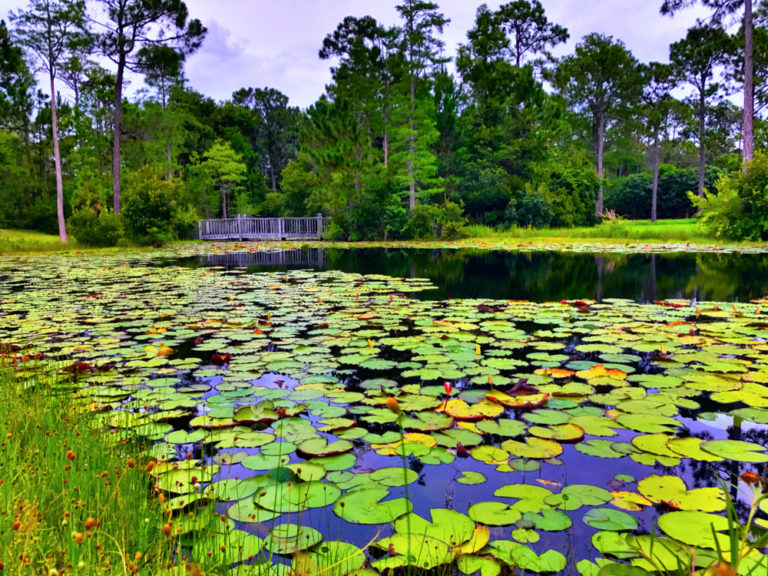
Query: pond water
{"points": [[541, 396], [537, 276]]}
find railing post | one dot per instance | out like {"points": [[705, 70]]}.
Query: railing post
{"points": [[280, 228], [199, 229], [319, 225]]}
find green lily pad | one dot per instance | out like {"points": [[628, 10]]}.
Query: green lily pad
{"points": [[737, 450], [610, 519], [575, 496], [297, 496], [290, 538], [365, 506]]}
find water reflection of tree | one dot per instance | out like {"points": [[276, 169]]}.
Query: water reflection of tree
{"points": [[547, 276], [722, 276]]}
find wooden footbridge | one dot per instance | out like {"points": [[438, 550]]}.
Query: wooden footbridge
{"points": [[245, 228]]}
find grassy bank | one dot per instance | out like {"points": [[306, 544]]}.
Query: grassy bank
{"points": [[13, 241], [72, 501], [619, 232], [661, 231]]}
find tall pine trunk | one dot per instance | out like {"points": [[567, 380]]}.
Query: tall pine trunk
{"points": [[600, 154], [412, 149], [749, 92], [57, 163], [702, 151], [117, 129], [655, 189]]}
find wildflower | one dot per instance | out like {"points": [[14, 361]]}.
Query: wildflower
{"points": [[70, 455], [90, 523], [393, 404], [448, 387], [167, 528], [131, 462]]}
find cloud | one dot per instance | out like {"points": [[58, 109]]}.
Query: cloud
{"points": [[275, 42]]}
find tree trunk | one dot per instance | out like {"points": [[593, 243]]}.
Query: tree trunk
{"points": [[224, 202], [702, 152], [600, 154], [386, 150], [117, 129], [655, 189], [749, 92], [412, 149], [57, 165], [272, 176]]}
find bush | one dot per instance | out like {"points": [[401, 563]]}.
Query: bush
{"points": [[96, 228], [532, 209], [149, 206], [445, 221], [631, 196], [739, 210]]}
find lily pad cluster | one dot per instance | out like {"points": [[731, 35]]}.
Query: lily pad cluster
{"points": [[265, 395]]}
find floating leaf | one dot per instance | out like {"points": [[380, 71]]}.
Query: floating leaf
{"points": [[365, 506]]}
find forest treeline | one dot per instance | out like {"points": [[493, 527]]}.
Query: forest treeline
{"points": [[407, 140]]}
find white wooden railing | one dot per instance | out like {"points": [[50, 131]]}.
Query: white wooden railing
{"points": [[244, 228]]}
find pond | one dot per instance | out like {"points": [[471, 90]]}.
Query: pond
{"points": [[538, 276], [530, 409]]}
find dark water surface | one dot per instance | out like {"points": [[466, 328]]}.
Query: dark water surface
{"points": [[535, 276]]}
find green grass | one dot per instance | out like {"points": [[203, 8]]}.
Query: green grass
{"points": [[13, 241], [72, 499], [661, 231]]}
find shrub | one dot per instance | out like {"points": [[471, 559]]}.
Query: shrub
{"points": [[739, 210], [532, 209], [445, 221], [96, 228], [149, 208], [631, 196]]}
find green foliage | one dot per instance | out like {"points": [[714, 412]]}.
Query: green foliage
{"points": [[444, 221], [150, 211], [532, 209], [631, 196], [96, 228], [739, 210]]}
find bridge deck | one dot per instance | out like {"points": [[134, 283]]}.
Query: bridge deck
{"points": [[244, 228]]}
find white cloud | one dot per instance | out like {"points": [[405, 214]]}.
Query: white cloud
{"points": [[275, 42]]}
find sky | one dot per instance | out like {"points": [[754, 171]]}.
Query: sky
{"points": [[259, 43]]}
